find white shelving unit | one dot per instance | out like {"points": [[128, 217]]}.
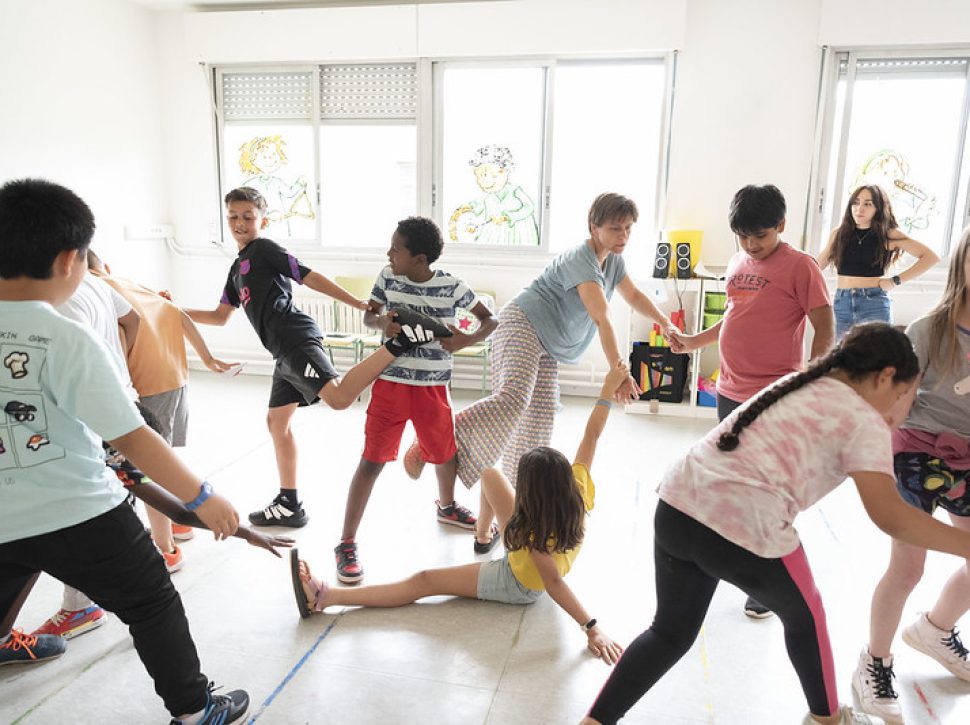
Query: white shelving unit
{"points": [[692, 293]]}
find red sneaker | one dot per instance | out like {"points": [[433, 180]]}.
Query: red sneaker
{"points": [[349, 570], [182, 533], [70, 624], [456, 515], [173, 560]]}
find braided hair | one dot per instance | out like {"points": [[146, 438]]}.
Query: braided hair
{"points": [[866, 349]]}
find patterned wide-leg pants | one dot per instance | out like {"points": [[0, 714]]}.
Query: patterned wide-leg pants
{"points": [[518, 415]]}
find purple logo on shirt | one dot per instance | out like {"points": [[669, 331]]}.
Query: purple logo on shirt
{"points": [[244, 267], [244, 296]]}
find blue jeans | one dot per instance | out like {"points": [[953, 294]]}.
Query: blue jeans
{"points": [[860, 304]]}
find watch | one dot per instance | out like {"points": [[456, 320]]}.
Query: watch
{"points": [[896, 280]]}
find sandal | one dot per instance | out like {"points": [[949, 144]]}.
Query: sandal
{"points": [[481, 548], [300, 576]]}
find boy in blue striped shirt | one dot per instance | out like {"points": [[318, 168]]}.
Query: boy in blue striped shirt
{"points": [[415, 386]]}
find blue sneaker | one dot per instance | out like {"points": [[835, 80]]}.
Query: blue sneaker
{"points": [[26, 648], [221, 709]]}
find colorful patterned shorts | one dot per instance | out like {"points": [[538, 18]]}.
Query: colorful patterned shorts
{"points": [[926, 482]]}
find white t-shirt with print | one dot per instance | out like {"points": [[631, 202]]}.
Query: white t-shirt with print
{"points": [[60, 395], [798, 450], [98, 306]]}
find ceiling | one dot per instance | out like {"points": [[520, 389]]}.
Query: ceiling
{"points": [[223, 5]]}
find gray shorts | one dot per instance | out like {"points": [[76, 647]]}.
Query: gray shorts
{"points": [[171, 410], [497, 583]]}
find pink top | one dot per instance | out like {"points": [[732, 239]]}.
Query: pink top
{"points": [[793, 454], [763, 331]]}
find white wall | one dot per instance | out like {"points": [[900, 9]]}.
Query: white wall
{"points": [[81, 107]]}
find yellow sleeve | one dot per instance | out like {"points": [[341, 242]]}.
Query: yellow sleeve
{"points": [[586, 486]]}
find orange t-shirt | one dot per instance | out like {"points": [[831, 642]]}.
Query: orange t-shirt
{"points": [[157, 362]]}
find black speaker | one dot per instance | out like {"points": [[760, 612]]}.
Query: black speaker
{"points": [[661, 265], [683, 260]]}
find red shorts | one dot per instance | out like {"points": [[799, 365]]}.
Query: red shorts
{"points": [[428, 407]]}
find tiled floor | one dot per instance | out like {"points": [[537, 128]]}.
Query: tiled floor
{"points": [[457, 661]]}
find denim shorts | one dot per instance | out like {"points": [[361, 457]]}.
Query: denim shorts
{"points": [[860, 304], [926, 482], [497, 583]]}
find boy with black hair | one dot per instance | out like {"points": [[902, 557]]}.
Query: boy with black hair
{"points": [[772, 289], [259, 281], [62, 395], [415, 387]]}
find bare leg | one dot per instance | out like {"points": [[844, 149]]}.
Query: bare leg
{"points": [[446, 472], [161, 526], [904, 572], [498, 502], [458, 581], [954, 600], [340, 393], [485, 515], [284, 443], [360, 489]]}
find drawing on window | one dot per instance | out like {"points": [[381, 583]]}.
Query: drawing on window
{"points": [[913, 204], [504, 214], [263, 158]]}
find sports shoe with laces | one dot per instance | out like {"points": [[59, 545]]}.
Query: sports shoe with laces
{"points": [[942, 645], [27, 648], [67, 624], [873, 683], [220, 709], [456, 515], [181, 532], [416, 329], [173, 560], [349, 570], [280, 513], [848, 716], [413, 462]]}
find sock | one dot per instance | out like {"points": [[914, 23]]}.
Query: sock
{"points": [[289, 498], [446, 508], [74, 601]]}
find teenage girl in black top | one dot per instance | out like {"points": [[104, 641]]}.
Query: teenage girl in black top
{"points": [[863, 247]]}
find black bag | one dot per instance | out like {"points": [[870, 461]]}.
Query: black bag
{"points": [[660, 372]]}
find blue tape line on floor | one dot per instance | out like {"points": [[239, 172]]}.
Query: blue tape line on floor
{"points": [[289, 675]]}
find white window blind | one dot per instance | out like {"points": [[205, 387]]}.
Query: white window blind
{"points": [[252, 96], [371, 91], [902, 67]]}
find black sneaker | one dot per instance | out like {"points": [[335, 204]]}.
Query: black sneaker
{"points": [[222, 709], [756, 610], [416, 329], [349, 570], [280, 513]]}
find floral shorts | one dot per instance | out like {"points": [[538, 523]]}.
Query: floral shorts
{"points": [[926, 482]]}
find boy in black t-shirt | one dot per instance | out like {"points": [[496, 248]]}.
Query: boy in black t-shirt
{"points": [[259, 281]]}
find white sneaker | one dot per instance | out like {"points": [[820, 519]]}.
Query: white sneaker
{"points": [[873, 683], [849, 717], [942, 645]]}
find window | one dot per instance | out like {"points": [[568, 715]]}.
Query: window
{"points": [[333, 149], [525, 148], [508, 158], [900, 121]]}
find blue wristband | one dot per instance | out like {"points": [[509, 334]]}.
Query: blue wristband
{"points": [[201, 498]]}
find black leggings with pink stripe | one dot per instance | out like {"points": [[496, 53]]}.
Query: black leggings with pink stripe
{"points": [[690, 561]]}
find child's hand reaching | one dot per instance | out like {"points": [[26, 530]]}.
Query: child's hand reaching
{"points": [[602, 646], [619, 385], [362, 305], [219, 516], [456, 342], [218, 366], [264, 541]]}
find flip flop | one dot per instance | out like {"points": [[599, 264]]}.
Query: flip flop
{"points": [[481, 548], [298, 591]]}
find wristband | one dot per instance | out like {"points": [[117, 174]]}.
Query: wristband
{"points": [[201, 498], [589, 625], [896, 280], [608, 404]]}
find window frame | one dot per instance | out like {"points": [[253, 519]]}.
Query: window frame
{"points": [[824, 200], [429, 142]]}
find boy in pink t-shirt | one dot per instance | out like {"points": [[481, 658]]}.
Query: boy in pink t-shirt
{"points": [[772, 289]]}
